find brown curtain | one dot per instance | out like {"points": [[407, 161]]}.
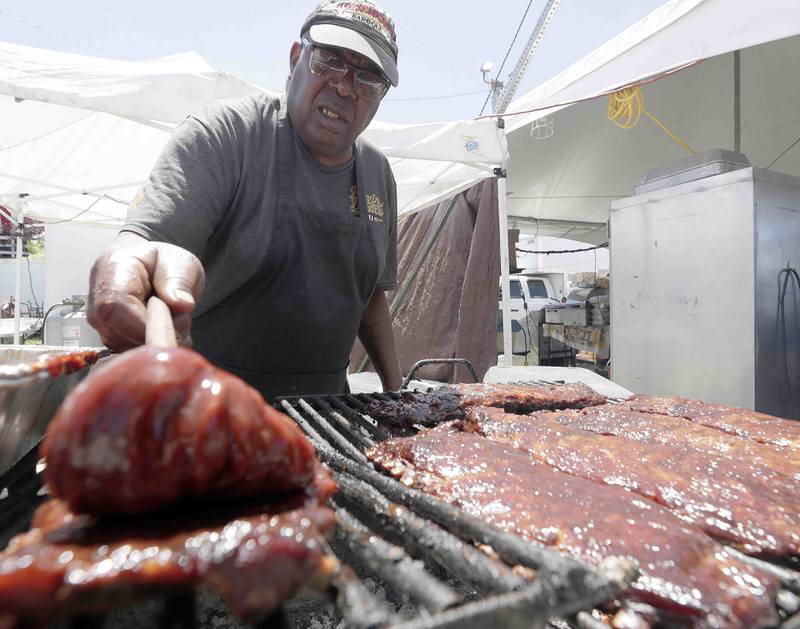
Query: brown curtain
{"points": [[450, 308]]}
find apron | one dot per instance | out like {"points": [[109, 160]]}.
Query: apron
{"points": [[289, 329]]}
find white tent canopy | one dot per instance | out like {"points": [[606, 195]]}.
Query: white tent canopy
{"points": [[80, 133], [88, 130], [563, 185]]}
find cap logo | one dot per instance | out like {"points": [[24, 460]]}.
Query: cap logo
{"points": [[367, 14]]}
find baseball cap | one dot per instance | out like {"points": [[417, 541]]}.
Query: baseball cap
{"points": [[359, 26]]}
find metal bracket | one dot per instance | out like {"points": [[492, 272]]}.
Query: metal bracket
{"points": [[438, 361]]}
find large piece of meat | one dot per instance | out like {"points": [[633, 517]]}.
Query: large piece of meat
{"points": [[447, 403], [779, 472], [783, 434], [159, 425], [683, 571], [254, 556], [711, 492]]}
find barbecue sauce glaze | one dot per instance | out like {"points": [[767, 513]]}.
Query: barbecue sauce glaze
{"points": [[158, 425]]}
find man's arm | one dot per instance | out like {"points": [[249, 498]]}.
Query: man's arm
{"points": [[375, 334]]}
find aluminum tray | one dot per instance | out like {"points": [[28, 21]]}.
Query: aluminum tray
{"points": [[700, 166], [30, 395]]}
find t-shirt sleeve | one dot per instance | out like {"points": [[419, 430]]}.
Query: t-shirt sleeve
{"points": [[388, 280], [190, 187]]}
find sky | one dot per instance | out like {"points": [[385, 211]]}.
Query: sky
{"points": [[442, 43]]}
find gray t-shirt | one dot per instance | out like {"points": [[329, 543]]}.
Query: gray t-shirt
{"points": [[236, 187]]}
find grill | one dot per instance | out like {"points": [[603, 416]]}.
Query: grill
{"points": [[341, 431], [407, 560], [424, 559]]}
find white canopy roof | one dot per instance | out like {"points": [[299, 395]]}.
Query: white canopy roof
{"points": [[89, 129], [570, 178], [81, 134], [563, 185]]}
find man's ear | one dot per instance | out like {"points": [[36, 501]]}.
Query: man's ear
{"points": [[294, 54]]}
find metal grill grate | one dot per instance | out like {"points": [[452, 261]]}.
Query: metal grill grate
{"points": [[424, 551], [441, 536], [341, 431]]}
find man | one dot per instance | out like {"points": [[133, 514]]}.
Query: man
{"points": [[267, 227]]}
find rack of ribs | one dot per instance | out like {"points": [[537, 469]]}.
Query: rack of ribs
{"points": [[711, 492], [227, 493], [683, 572], [783, 434], [158, 425], [759, 460], [254, 556], [450, 402]]}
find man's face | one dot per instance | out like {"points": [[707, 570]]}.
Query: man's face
{"points": [[328, 117]]}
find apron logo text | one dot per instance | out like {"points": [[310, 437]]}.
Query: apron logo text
{"points": [[374, 208]]}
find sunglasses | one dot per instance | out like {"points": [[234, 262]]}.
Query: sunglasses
{"points": [[328, 65]]}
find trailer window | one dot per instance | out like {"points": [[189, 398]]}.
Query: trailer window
{"points": [[537, 288]]}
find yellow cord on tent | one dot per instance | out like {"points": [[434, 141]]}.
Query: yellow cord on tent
{"points": [[626, 106]]}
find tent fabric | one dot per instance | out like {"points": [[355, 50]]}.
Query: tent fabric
{"points": [[548, 178], [673, 36], [571, 176], [443, 314], [164, 89], [81, 133], [59, 163], [588, 162]]}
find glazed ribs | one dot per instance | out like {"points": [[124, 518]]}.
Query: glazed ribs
{"points": [[253, 556], [783, 434], [761, 461], [159, 425], [447, 403], [683, 571], [227, 493], [717, 494]]}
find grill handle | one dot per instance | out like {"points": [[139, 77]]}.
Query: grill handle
{"points": [[438, 361]]}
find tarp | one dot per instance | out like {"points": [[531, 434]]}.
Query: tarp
{"points": [[444, 313], [80, 133]]}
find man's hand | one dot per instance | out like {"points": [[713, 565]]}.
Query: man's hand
{"points": [[127, 274]]}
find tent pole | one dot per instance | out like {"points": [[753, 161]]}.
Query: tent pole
{"points": [[737, 102], [505, 283], [17, 296]]}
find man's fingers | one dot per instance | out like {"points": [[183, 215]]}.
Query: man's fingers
{"points": [[120, 320], [178, 279], [125, 277], [118, 284]]}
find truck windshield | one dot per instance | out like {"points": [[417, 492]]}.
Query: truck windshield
{"points": [[536, 288]]}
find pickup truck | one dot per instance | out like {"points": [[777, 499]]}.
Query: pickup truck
{"points": [[530, 292], [533, 291]]}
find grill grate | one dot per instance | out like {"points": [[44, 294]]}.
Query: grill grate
{"points": [[425, 553], [377, 497], [437, 581]]}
